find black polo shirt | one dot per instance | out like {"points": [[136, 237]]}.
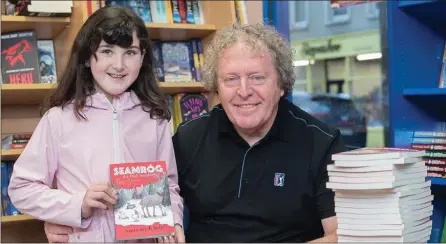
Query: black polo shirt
{"points": [[273, 191]]}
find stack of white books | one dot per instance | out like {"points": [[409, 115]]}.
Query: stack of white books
{"points": [[381, 195]]}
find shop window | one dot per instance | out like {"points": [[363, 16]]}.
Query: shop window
{"points": [[299, 14], [372, 10], [336, 16]]}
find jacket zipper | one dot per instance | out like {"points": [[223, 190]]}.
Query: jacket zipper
{"points": [[116, 148]]}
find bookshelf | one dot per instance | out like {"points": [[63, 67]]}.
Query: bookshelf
{"points": [[16, 218], [46, 27], [11, 154], [28, 94], [20, 103], [415, 44], [172, 32]]}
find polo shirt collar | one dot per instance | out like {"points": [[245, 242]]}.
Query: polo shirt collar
{"points": [[278, 130]]}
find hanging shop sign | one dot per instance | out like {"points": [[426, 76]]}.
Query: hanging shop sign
{"points": [[337, 46]]}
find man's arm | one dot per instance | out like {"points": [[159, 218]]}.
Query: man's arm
{"points": [[324, 196], [330, 225]]}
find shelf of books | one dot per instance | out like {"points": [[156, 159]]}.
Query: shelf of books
{"points": [[180, 27], [416, 40]]}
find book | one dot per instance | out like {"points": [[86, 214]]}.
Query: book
{"points": [[47, 61], [368, 153], [20, 63], [143, 209], [381, 195]]}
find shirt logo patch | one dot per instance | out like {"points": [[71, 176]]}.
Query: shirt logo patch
{"points": [[279, 179]]}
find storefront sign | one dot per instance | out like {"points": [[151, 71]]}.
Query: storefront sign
{"points": [[337, 46]]}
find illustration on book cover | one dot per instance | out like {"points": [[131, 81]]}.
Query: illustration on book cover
{"points": [[143, 209]]}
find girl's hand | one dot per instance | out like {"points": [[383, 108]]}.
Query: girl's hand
{"points": [[100, 195], [179, 236]]}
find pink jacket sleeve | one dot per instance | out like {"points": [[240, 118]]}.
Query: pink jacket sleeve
{"points": [[165, 152], [30, 186]]}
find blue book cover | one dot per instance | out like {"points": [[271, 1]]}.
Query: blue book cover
{"points": [[176, 61], [159, 11], [5, 180], [159, 71], [11, 209], [189, 12], [196, 58], [176, 12], [142, 8], [47, 61], [196, 11], [191, 59]]}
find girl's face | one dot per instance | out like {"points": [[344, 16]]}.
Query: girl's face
{"points": [[116, 68]]}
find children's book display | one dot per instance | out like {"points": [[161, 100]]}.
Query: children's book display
{"points": [[143, 209], [381, 195]]}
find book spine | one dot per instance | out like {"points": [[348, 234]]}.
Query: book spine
{"points": [[189, 12], [176, 12]]}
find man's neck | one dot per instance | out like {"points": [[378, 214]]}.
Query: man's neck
{"points": [[251, 137]]}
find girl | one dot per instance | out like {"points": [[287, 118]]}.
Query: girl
{"points": [[106, 108]]}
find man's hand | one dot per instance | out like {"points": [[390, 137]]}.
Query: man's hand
{"points": [[57, 233], [101, 195], [179, 236]]}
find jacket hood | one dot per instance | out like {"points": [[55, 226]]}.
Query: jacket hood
{"points": [[125, 101]]}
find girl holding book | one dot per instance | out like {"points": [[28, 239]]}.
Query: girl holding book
{"points": [[107, 108]]}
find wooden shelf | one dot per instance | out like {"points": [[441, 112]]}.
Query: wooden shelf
{"points": [[46, 27], [11, 154], [19, 94], [178, 87], [16, 218], [176, 32]]}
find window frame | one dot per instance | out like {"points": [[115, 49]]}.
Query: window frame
{"points": [[331, 19], [299, 25]]}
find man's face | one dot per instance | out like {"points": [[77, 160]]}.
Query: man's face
{"points": [[248, 87]]}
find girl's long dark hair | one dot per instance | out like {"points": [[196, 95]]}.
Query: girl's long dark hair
{"points": [[115, 25]]}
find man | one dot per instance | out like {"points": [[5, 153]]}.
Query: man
{"points": [[254, 168]]}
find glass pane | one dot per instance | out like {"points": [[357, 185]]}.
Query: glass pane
{"points": [[338, 71], [300, 11], [339, 11]]}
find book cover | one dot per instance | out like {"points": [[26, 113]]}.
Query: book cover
{"points": [[143, 209], [369, 153], [429, 134], [190, 18], [196, 9], [176, 12], [191, 105], [20, 63], [159, 11], [47, 61], [142, 8], [176, 61], [158, 61], [182, 10]]}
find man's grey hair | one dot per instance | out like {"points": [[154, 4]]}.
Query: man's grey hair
{"points": [[257, 36]]}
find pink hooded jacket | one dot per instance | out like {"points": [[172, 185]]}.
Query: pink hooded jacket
{"points": [[77, 153]]}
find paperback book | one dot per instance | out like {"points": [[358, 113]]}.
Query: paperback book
{"points": [[381, 195], [143, 209]]}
